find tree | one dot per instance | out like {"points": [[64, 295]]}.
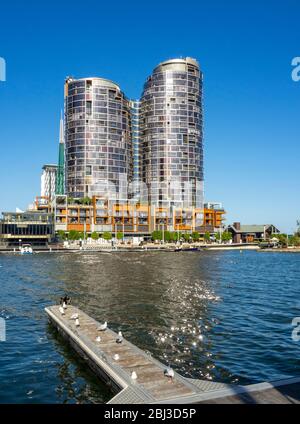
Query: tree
{"points": [[207, 236], [61, 235], [218, 236], [167, 236], [120, 236], [107, 236], [196, 236], [94, 236], [294, 240], [174, 237], [226, 236], [186, 236], [298, 229], [157, 235], [74, 235], [282, 238]]}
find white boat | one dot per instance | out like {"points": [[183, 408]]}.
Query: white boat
{"points": [[26, 249]]}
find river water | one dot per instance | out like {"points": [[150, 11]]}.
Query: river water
{"points": [[222, 316]]}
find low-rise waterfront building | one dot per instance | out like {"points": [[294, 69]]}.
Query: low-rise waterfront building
{"points": [[129, 216], [252, 233], [34, 227]]}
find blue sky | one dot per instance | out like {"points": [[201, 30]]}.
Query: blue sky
{"points": [[252, 125]]}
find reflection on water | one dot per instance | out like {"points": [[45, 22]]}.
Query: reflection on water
{"points": [[221, 316]]}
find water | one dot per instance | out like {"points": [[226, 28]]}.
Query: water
{"points": [[224, 316]]}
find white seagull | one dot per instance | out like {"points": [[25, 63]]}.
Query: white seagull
{"points": [[169, 372], [98, 339], [119, 338], [61, 310], [116, 357], [134, 375], [75, 316], [77, 322], [103, 327], [64, 305]]}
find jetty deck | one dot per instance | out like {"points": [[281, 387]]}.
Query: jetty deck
{"points": [[151, 385]]}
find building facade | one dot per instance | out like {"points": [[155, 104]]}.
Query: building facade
{"points": [[172, 134], [48, 181], [98, 145], [34, 227], [252, 233], [130, 217]]}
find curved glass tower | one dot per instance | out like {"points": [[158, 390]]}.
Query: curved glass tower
{"points": [[98, 147], [172, 134]]}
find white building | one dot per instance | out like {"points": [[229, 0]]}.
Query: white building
{"points": [[48, 181]]}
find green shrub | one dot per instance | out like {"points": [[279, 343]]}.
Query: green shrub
{"points": [[94, 236], [157, 235], [61, 235], [74, 235]]}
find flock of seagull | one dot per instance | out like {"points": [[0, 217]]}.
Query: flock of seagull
{"points": [[169, 372]]}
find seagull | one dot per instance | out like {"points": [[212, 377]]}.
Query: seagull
{"points": [[77, 322], [169, 372], [119, 338], [61, 310], [103, 327], [134, 375], [98, 339], [64, 305], [75, 316], [116, 357]]}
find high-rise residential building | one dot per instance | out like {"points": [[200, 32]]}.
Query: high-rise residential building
{"points": [[98, 145], [172, 134], [48, 181], [60, 177]]}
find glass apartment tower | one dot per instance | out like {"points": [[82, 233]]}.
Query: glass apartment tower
{"points": [[98, 144], [172, 135]]}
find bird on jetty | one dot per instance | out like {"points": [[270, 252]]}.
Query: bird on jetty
{"points": [[75, 316], [61, 310], [134, 375], [98, 339], [77, 322], [119, 338], [103, 327], [64, 305], [116, 357], [66, 300], [169, 372]]}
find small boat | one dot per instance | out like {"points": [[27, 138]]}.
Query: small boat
{"points": [[26, 249], [187, 249]]}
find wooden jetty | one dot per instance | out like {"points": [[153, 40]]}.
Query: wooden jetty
{"points": [[151, 385]]}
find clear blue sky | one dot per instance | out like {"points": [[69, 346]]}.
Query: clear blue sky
{"points": [[245, 48]]}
